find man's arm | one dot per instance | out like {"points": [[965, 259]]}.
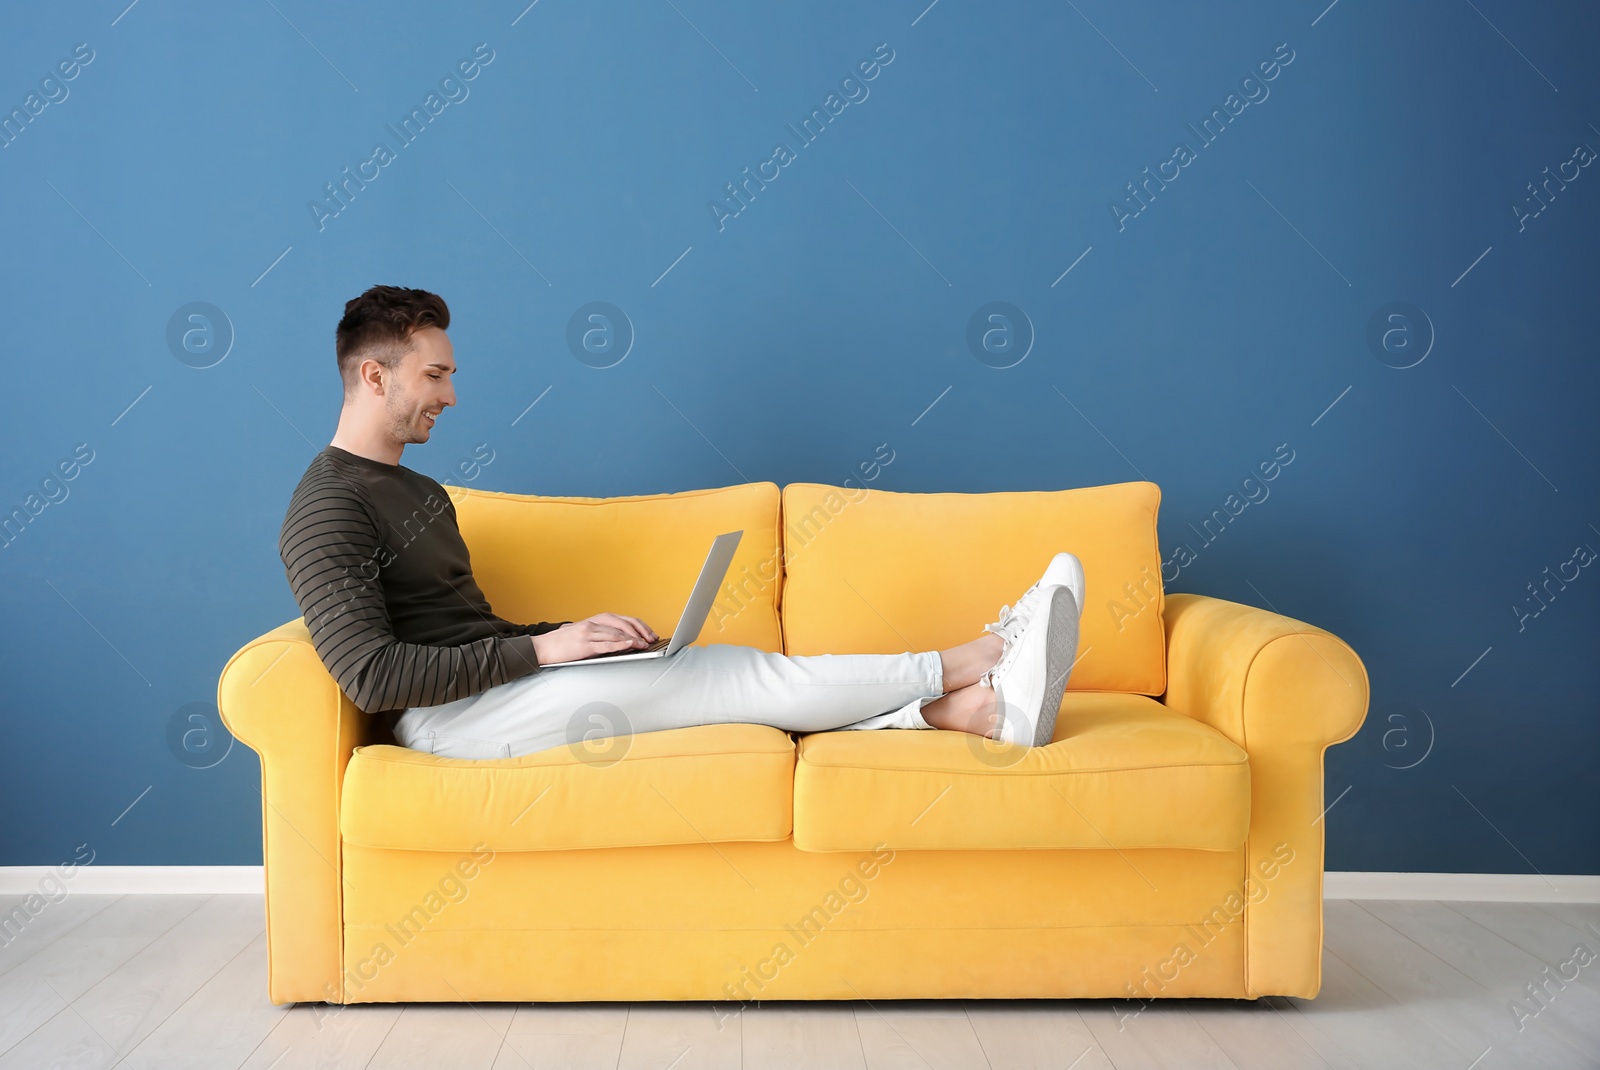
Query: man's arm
{"points": [[330, 548]]}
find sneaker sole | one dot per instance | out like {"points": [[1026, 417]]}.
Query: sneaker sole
{"points": [[1061, 648]]}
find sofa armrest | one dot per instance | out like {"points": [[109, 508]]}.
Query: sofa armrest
{"points": [[1284, 691], [277, 698]]}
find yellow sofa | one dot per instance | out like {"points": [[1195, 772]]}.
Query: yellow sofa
{"points": [[1167, 842]]}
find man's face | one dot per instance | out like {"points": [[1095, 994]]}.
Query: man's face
{"points": [[421, 387]]}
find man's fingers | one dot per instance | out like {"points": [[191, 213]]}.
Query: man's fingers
{"points": [[631, 626], [619, 632], [645, 631], [619, 638]]}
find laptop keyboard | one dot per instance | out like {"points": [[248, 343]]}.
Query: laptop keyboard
{"points": [[661, 641]]}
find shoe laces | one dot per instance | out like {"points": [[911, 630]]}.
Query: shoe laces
{"points": [[1009, 628]]}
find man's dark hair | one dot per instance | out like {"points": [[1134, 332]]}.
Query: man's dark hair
{"points": [[378, 325]]}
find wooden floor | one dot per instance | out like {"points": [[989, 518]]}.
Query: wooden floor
{"points": [[172, 982]]}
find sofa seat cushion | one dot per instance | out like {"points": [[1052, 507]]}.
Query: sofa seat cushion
{"points": [[1123, 771], [709, 783]]}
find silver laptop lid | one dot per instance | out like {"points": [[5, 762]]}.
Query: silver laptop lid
{"points": [[705, 591]]}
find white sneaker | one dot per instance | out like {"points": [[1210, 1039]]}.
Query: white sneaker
{"points": [[1067, 570], [1064, 569], [1041, 643]]}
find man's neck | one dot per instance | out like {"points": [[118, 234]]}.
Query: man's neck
{"points": [[372, 444]]}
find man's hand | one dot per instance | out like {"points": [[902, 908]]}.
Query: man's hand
{"points": [[603, 633]]}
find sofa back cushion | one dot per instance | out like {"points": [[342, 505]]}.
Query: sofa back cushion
{"points": [[880, 572], [553, 558]]}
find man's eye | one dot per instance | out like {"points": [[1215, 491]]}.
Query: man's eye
{"points": [[433, 377]]}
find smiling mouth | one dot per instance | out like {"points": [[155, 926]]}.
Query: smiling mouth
{"points": [[429, 417]]}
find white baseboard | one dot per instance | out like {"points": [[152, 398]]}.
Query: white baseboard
{"points": [[132, 880], [1458, 887], [249, 880]]}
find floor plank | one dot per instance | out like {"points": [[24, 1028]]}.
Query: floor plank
{"points": [[220, 1025], [588, 1019], [1327, 1047], [791, 1033], [579, 1036], [1035, 1034], [66, 1040], [687, 1036], [1255, 1035], [76, 960], [560, 1051], [1585, 917], [132, 1001], [1160, 1035], [315, 1036], [920, 1034], [1503, 971], [1442, 995], [178, 983], [23, 935], [1542, 935], [1371, 1026], [445, 1036]]}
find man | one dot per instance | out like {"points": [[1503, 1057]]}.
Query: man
{"points": [[380, 571]]}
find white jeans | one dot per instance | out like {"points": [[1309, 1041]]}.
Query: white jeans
{"points": [[714, 684]]}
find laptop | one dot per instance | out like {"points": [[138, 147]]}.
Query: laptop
{"points": [[694, 613]]}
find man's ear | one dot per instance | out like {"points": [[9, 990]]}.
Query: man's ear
{"points": [[372, 377]]}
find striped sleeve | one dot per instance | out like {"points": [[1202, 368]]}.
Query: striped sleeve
{"points": [[330, 548]]}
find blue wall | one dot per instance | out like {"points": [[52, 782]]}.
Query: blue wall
{"points": [[1201, 328]]}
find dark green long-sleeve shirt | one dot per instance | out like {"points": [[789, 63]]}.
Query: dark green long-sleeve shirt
{"points": [[376, 561]]}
